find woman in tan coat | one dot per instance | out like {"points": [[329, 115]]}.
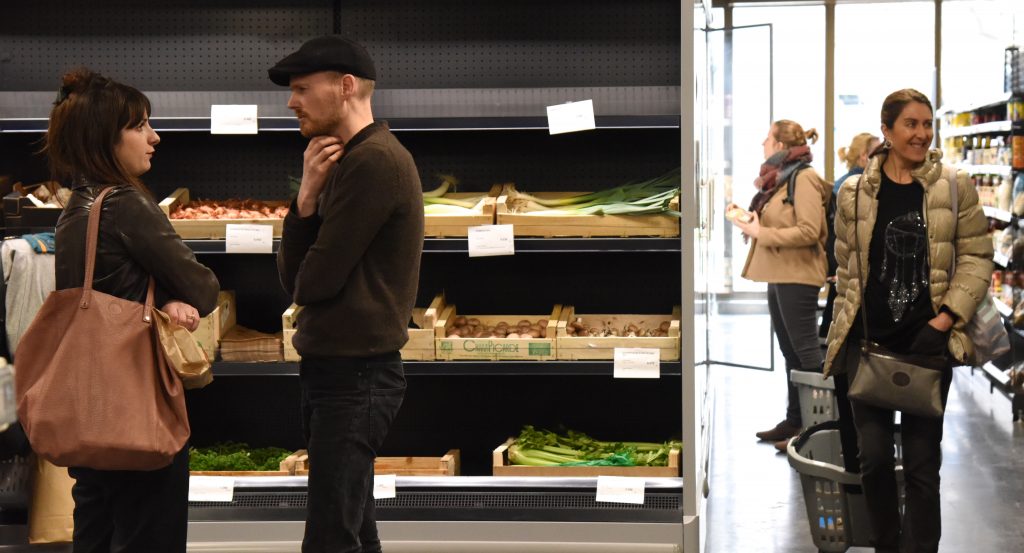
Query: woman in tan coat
{"points": [[788, 229], [898, 216]]}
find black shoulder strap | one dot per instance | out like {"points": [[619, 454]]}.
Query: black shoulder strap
{"points": [[791, 183]]}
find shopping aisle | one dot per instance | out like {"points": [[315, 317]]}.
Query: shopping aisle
{"points": [[756, 503]]}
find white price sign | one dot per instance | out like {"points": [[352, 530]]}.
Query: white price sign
{"points": [[637, 363], [211, 488], [620, 489], [491, 240], [249, 239], [384, 486], [233, 119], [571, 117]]}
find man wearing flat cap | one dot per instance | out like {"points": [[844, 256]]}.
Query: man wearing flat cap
{"points": [[350, 255]]}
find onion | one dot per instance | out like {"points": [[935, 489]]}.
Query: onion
{"points": [[535, 334], [460, 321], [665, 326], [512, 336]]}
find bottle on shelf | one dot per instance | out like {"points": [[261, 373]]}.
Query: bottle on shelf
{"points": [[1017, 142], [1005, 193]]}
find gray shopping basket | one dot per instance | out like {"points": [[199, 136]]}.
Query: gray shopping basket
{"points": [[837, 517], [817, 397]]}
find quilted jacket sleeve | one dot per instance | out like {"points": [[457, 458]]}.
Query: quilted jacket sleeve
{"points": [[973, 253], [844, 226]]}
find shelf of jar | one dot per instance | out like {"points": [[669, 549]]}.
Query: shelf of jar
{"points": [[992, 127]]}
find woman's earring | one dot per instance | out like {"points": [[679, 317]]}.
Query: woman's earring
{"points": [[887, 144]]}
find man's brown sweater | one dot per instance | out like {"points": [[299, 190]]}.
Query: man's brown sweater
{"points": [[355, 264]]}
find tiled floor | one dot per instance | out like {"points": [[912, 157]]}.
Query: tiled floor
{"points": [[756, 503]]}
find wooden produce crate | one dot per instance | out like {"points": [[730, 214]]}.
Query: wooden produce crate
{"points": [[496, 349], [587, 226], [289, 319], [575, 348], [457, 226], [446, 465], [211, 228], [420, 346], [214, 326], [500, 467]]}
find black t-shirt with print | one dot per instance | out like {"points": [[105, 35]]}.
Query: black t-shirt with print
{"points": [[897, 294]]}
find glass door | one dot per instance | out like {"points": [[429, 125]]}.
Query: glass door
{"points": [[739, 103]]}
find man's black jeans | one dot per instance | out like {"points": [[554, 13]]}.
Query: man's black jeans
{"points": [[348, 406]]}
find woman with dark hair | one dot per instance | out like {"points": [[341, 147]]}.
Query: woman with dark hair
{"points": [[788, 229], [99, 138], [898, 215]]}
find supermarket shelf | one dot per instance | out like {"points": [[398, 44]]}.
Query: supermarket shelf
{"points": [[404, 109], [985, 102], [996, 213], [458, 498], [1001, 260], [522, 245], [455, 368], [1001, 170], [984, 128]]}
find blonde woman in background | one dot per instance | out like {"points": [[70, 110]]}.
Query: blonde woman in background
{"points": [[788, 228]]}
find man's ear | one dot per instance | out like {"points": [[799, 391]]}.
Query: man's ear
{"points": [[348, 85]]}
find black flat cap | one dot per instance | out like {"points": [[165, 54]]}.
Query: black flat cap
{"points": [[325, 53]]}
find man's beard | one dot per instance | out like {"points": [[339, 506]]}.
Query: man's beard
{"points": [[325, 126]]}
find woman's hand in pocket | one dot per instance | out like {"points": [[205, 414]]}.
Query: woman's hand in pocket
{"points": [[931, 340]]}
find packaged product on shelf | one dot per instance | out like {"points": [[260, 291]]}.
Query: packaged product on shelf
{"points": [[1004, 193]]}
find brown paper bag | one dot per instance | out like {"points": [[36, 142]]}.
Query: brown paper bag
{"points": [[183, 353], [51, 512]]}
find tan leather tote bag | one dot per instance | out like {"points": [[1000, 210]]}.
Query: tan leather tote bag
{"points": [[93, 388]]}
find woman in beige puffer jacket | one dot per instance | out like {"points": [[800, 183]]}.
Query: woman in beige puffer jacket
{"points": [[898, 217]]}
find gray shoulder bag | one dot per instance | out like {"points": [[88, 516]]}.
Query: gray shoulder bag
{"points": [[909, 383], [985, 329]]}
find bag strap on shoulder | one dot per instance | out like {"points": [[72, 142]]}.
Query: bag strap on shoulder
{"points": [[91, 241]]}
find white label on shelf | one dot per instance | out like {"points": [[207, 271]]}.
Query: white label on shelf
{"points": [[211, 488], [620, 489], [384, 486], [637, 363], [249, 239], [233, 119], [571, 117], [491, 240]]}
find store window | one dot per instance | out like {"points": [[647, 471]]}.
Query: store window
{"points": [[871, 62], [975, 35]]}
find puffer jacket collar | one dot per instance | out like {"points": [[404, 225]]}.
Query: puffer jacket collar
{"points": [[926, 174]]}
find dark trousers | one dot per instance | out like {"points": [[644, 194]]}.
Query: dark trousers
{"points": [[348, 406], [121, 511], [794, 312], [921, 526]]}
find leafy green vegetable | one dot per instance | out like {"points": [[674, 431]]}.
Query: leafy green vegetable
{"points": [[545, 448], [236, 456]]}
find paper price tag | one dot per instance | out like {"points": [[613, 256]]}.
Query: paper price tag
{"points": [[491, 240], [249, 239], [620, 489], [384, 486], [233, 119], [211, 488], [637, 363], [571, 117]]}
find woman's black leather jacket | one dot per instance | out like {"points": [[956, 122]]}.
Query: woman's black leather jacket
{"points": [[136, 240]]}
